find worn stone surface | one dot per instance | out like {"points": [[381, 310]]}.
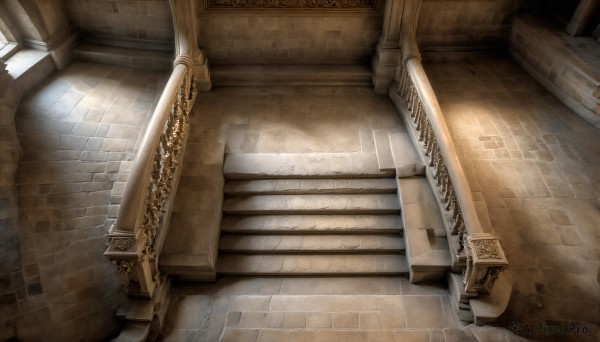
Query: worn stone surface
{"points": [[536, 165], [133, 20], [568, 66], [312, 223], [296, 204], [349, 309], [464, 23], [78, 134], [305, 165], [311, 243], [291, 35], [287, 264], [310, 186]]}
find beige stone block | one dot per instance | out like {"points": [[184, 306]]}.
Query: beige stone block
{"points": [[423, 311], [381, 336], [250, 303], [275, 319], [235, 335], [341, 335], [253, 319], [307, 304], [294, 320], [412, 335], [316, 320], [189, 314], [347, 320]]}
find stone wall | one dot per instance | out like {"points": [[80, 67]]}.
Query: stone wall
{"points": [[567, 66], [132, 21], [445, 23], [12, 286], [78, 133], [288, 36]]}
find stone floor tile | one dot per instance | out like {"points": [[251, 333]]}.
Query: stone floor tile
{"points": [[346, 320], [411, 335], [250, 303], [341, 335], [253, 319], [275, 319], [455, 335], [181, 335], [369, 321], [276, 335], [340, 303], [393, 320], [240, 335], [191, 311], [423, 312], [382, 336], [294, 320], [569, 236], [316, 320], [233, 319]]}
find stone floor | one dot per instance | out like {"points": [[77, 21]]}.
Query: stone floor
{"points": [[537, 165], [311, 309], [300, 120], [78, 132]]}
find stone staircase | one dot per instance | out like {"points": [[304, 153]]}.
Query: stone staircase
{"points": [[310, 214], [427, 251]]}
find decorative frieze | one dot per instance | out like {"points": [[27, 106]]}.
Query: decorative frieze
{"points": [[291, 4]]}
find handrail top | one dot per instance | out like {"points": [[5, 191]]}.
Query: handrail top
{"points": [[129, 213], [446, 145]]}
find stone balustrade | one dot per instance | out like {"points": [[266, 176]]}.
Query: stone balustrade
{"points": [[477, 254], [135, 240]]}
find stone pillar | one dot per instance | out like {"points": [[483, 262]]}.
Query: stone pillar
{"points": [[581, 17], [388, 48], [186, 42], [410, 18], [485, 261]]}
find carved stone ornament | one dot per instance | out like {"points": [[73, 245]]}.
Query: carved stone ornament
{"points": [[121, 244], [487, 249], [124, 266], [291, 4]]}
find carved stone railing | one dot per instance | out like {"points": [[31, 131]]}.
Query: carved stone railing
{"points": [[476, 254], [135, 240]]}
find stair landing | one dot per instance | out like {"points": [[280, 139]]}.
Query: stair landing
{"points": [[364, 309]]}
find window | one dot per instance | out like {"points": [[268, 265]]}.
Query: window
{"points": [[8, 37]]}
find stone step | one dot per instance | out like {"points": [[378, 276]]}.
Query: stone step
{"points": [[427, 249], [139, 57], [383, 149], [366, 243], [289, 74], [310, 186], [312, 204], [298, 224], [406, 158], [312, 264], [305, 165]]}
